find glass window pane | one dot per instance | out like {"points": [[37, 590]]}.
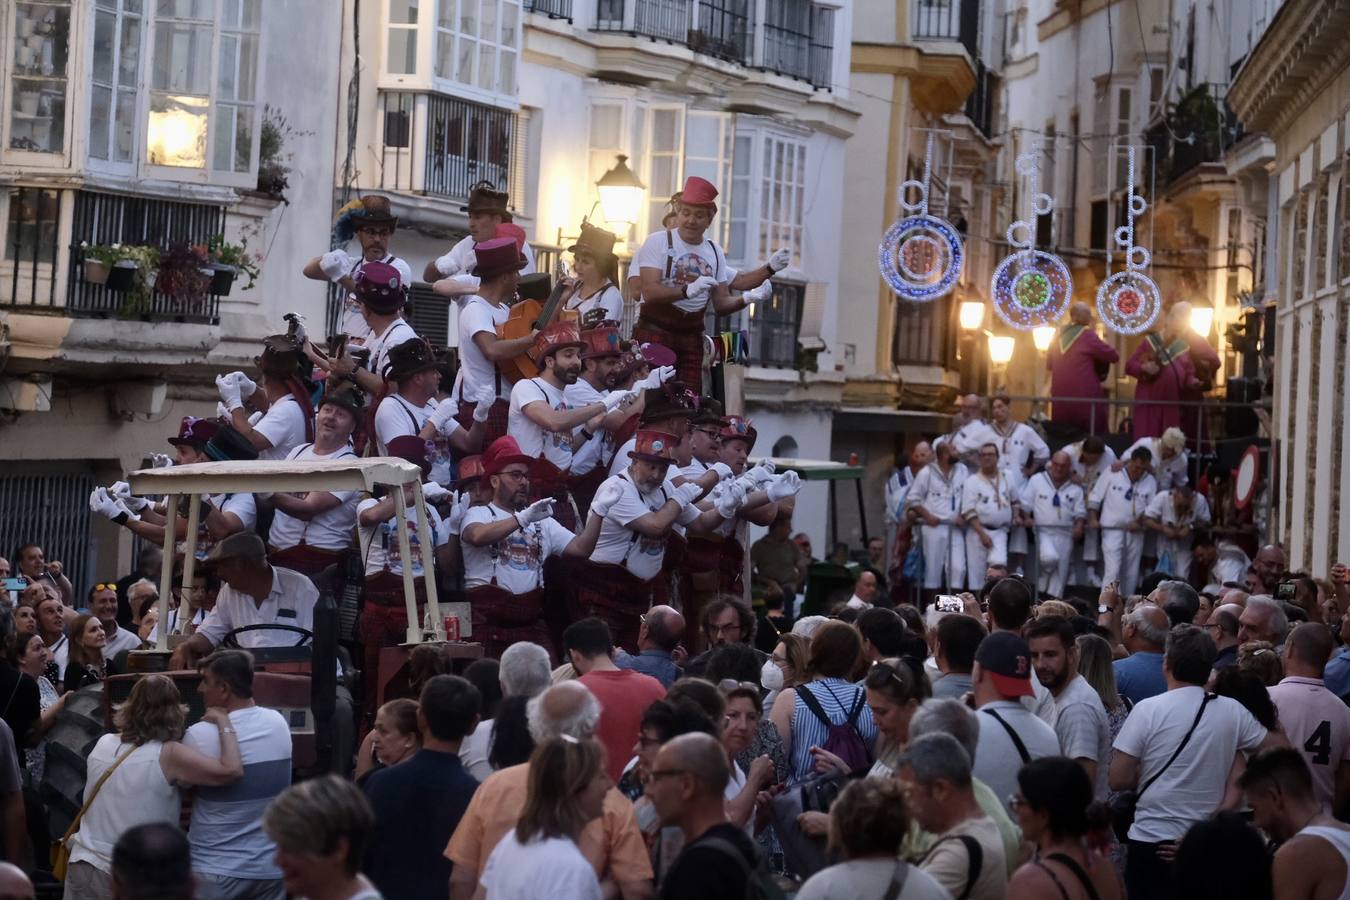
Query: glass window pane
{"points": [[487, 67], [741, 158], [510, 16], [487, 20], [125, 126], [445, 55], [132, 6], [223, 138], [665, 124], [445, 14], [227, 68], [402, 51], [663, 176], [403, 12], [229, 14], [506, 83], [177, 131], [465, 66], [182, 61], [129, 54], [701, 135], [185, 9], [468, 17], [251, 19], [32, 224], [100, 121], [606, 123], [105, 37]]}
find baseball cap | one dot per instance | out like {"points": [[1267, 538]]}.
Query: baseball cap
{"points": [[1007, 659]]}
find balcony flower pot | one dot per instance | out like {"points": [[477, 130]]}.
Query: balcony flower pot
{"points": [[121, 276], [222, 279], [95, 271]]}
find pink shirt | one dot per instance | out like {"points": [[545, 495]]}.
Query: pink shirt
{"points": [[1317, 723], [624, 696]]}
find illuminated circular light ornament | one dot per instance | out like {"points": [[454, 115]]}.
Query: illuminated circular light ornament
{"points": [[920, 255], [1032, 288], [1129, 301]]}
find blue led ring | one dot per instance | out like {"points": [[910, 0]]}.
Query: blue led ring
{"points": [[930, 236]]}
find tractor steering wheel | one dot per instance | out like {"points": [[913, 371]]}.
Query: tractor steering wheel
{"points": [[231, 641]]}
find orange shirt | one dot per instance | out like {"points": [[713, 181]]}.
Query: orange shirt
{"points": [[624, 696], [612, 843]]}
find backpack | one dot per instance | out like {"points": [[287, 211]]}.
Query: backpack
{"points": [[844, 740], [759, 883]]}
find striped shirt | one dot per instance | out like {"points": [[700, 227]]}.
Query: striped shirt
{"points": [[836, 697]]}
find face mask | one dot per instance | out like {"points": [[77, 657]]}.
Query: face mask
{"points": [[770, 676]]}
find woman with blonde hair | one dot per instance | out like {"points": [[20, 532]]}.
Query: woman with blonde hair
{"points": [[566, 790], [133, 778], [1094, 664]]}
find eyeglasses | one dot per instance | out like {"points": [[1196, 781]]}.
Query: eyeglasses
{"points": [[1016, 802], [890, 671], [520, 476], [724, 629], [711, 434]]}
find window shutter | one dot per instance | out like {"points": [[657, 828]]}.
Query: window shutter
{"points": [[813, 317], [520, 154]]}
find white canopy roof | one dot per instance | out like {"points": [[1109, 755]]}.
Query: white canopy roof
{"points": [[261, 477]]}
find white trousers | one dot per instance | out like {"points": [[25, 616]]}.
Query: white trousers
{"points": [[944, 557], [1054, 553], [1121, 552], [979, 558]]}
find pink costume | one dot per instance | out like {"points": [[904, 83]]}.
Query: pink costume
{"points": [[1078, 362], [1176, 376]]}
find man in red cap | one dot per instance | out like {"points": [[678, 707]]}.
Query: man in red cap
{"points": [[505, 544], [384, 613], [681, 271], [498, 265], [412, 409], [487, 215], [594, 447], [221, 514], [639, 508], [381, 292], [542, 421], [373, 223]]}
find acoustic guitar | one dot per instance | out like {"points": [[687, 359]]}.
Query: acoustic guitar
{"points": [[525, 316]]}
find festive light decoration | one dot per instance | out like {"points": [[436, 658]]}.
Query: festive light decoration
{"points": [[1128, 301], [921, 254], [1031, 288]]}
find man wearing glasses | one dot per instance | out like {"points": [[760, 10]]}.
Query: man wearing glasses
{"points": [[505, 544]]}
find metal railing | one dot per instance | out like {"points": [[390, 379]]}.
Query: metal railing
{"points": [[663, 20], [981, 103], [1198, 129], [787, 38], [724, 31], [946, 20], [554, 9], [821, 63], [436, 144]]}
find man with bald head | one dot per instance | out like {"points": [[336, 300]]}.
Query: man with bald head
{"points": [[1144, 633], [612, 843], [14, 884], [688, 781], [970, 430], [1055, 505], [1270, 563], [660, 632], [1223, 626], [1079, 362], [1314, 719]]}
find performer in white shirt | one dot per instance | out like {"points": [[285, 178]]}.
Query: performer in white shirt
{"points": [[487, 214], [1170, 460], [1175, 515], [505, 545], [282, 396], [593, 450], [1090, 458], [969, 432], [594, 296], [1117, 506], [935, 504], [381, 293], [987, 501], [1021, 452], [1055, 505]]}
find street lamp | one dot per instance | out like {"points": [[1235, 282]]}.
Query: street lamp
{"points": [[1042, 337], [620, 194], [1202, 319], [971, 314], [1001, 349]]}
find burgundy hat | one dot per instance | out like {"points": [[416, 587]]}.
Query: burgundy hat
{"points": [[553, 338], [470, 469], [671, 400], [194, 432], [654, 446], [513, 231], [739, 429], [501, 453], [602, 341], [497, 256], [380, 287], [655, 355], [411, 448], [698, 192]]}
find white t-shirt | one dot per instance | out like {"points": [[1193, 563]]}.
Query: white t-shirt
{"points": [[398, 332], [1193, 786], [474, 750], [996, 757], [477, 373], [1089, 474], [242, 505], [551, 867], [465, 259], [534, 440], [1162, 509], [870, 877], [599, 450], [284, 425], [353, 323], [226, 831], [687, 263], [380, 546], [1083, 729], [607, 303], [619, 545], [1119, 500], [1018, 447], [396, 416], [517, 560], [970, 437], [989, 500], [330, 530], [1317, 723]]}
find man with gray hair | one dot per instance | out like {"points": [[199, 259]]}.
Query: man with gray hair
{"points": [[948, 716], [967, 858], [659, 633], [1178, 599], [1263, 619], [612, 843], [524, 670], [1143, 631]]}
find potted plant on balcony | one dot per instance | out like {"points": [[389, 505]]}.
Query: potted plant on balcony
{"points": [[225, 261], [183, 273]]}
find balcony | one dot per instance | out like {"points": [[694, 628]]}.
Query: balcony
{"points": [[983, 101], [794, 38], [554, 9], [1198, 129], [947, 20], [437, 145]]}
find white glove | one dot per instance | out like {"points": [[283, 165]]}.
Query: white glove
{"points": [[700, 287], [433, 492], [455, 521], [609, 493], [483, 408], [465, 282], [657, 377], [442, 417], [786, 485], [687, 493], [761, 473], [758, 294], [447, 265], [334, 264], [229, 392], [121, 491], [537, 511], [160, 461], [722, 469], [730, 498], [615, 399], [246, 385], [222, 412], [103, 503], [780, 259]]}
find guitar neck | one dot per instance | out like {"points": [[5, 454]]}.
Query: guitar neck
{"points": [[551, 305]]}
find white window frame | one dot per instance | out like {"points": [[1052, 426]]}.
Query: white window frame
{"points": [[429, 34], [8, 28], [657, 198], [716, 168], [119, 15], [765, 226], [206, 173]]}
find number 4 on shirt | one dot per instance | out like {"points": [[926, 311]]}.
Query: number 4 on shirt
{"points": [[1318, 744]]}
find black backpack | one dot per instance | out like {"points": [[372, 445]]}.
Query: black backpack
{"points": [[759, 882]]}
